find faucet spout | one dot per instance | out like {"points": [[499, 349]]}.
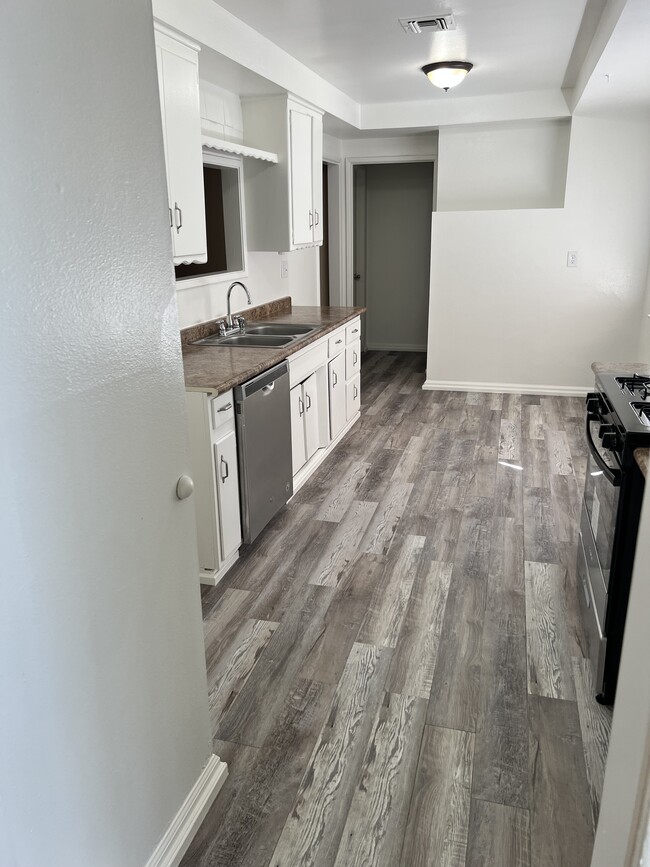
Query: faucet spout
{"points": [[230, 288]]}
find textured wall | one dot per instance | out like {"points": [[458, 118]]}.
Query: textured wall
{"points": [[103, 719]]}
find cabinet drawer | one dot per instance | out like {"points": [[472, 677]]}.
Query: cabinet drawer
{"points": [[305, 362], [223, 409], [353, 397], [353, 331], [352, 359], [336, 343]]}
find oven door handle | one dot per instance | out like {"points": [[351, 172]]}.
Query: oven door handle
{"points": [[612, 475]]}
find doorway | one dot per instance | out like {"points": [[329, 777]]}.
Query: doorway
{"points": [[392, 205]]}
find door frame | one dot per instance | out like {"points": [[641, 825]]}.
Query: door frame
{"points": [[336, 229], [350, 163]]}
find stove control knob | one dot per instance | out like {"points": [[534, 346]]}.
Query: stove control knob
{"points": [[593, 403], [610, 439]]}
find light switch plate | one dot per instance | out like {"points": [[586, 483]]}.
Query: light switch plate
{"points": [[572, 259], [284, 268]]}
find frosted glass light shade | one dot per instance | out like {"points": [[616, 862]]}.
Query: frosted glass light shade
{"points": [[448, 73]]}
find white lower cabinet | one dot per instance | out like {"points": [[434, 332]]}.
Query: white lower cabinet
{"points": [[352, 397], [225, 450], [325, 396], [298, 445], [305, 428], [338, 413], [213, 455]]}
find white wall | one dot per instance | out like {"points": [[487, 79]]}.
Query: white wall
{"points": [[103, 718], [643, 353], [521, 165], [504, 307], [202, 299], [631, 723], [264, 281], [399, 199]]}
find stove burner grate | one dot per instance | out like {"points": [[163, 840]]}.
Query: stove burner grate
{"points": [[638, 386], [643, 411]]}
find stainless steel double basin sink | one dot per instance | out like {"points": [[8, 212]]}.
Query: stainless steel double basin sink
{"points": [[272, 335]]}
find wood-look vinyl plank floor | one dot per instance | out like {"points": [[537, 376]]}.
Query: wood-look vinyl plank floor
{"points": [[397, 671]]}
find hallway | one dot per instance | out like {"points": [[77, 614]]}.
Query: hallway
{"points": [[397, 672]]}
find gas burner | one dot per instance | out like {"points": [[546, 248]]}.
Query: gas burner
{"points": [[637, 386], [643, 411]]}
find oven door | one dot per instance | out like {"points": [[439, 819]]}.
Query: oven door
{"points": [[602, 494]]}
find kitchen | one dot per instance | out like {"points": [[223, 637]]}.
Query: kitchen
{"points": [[420, 589]]}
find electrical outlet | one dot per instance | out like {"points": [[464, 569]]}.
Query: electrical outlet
{"points": [[572, 259], [284, 269]]}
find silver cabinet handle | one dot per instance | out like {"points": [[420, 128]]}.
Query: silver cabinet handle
{"points": [[225, 407], [179, 222], [340, 340], [355, 330], [301, 407], [335, 379], [355, 358], [308, 399], [356, 392], [317, 217], [224, 465]]}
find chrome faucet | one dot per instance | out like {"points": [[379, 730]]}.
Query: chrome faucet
{"points": [[229, 320]]}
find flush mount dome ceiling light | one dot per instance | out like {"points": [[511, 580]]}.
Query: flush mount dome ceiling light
{"points": [[446, 74]]}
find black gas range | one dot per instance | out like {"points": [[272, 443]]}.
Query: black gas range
{"points": [[617, 423]]}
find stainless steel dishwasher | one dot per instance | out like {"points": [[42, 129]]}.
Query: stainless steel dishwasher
{"points": [[263, 416]]}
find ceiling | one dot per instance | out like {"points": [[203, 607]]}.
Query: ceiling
{"points": [[359, 46]]}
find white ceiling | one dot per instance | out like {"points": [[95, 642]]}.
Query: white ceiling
{"points": [[359, 46]]}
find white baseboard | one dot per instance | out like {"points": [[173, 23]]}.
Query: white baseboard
{"points": [[212, 577], [507, 387], [397, 347], [178, 836]]}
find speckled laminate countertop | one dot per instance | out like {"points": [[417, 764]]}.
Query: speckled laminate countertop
{"points": [[219, 368], [621, 367]]}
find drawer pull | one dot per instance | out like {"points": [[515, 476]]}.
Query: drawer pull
{"points": [[301, 407], [225, 407], [355, 330], [338, 341], [356, 392], [335, 379], [355, 358], [308, 399], [224, 464]]}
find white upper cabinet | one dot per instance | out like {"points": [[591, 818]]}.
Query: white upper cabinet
{"points": [[178, 80], [284, 202]]}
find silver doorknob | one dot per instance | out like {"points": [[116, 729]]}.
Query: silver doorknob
{"points": [[184, 487]]}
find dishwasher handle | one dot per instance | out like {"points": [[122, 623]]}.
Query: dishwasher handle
{"points": [[264, 382]]}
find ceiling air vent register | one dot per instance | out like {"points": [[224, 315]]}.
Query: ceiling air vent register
{"points": [[435, 24]]}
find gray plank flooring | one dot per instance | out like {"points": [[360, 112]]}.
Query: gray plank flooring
{"points": [[396, 668]]}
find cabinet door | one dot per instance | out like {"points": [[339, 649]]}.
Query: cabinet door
{"points": [[302, 214], [179, 82], [352, 397], [298, 449], [338, 415], [310, 397], [228, 494], [317, 176], [353, 360]]}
